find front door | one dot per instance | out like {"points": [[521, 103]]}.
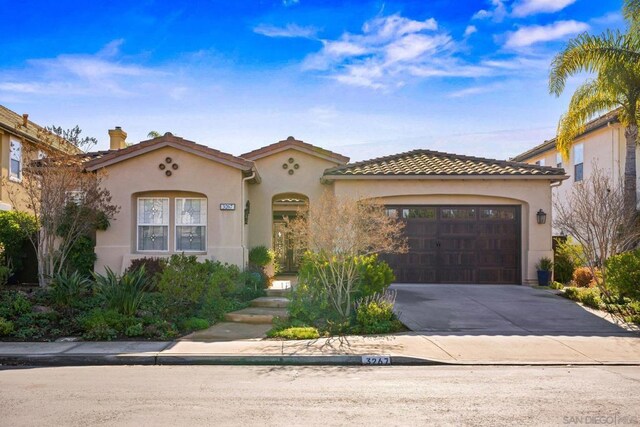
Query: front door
{"points": [[286, 254]]}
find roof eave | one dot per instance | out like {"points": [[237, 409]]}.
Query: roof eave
{"points": [[329, 178], [326, 156]]}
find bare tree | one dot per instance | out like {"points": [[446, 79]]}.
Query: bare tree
{"points": [[596, 216], [73, 136], [339, 230], [67, 203]]}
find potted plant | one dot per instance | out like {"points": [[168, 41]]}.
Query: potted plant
{"points": [[544, 267]]}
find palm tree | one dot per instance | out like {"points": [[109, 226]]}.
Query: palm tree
{"points": [[614, 57], [153, 134]]}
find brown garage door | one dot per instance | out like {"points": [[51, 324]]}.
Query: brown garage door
{"points": [[458, 244]]}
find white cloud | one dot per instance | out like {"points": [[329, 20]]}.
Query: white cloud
{"points": [[474, 90], [497, 13], [531, 7], [287, 3], [470, 30], [389, 50], [290, 30], [527, 36], [608, 19]]}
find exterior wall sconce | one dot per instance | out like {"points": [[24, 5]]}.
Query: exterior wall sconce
{"points": [[541, 216]]}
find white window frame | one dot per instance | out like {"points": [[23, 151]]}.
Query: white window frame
{"points": [[558, 160], [540, 162], [13, 175], [167, 220], [204, 225]]}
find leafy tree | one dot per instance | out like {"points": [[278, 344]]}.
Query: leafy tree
{"points": [[65, 201], [614, 57], [153, 134]]}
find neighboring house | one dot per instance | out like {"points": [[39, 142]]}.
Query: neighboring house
{"points": [[602, 144], [469, 220], [21, 140]]}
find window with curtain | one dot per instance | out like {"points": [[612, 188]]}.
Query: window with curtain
{"points": [[153, 224], [15, 160], [191, 224]]}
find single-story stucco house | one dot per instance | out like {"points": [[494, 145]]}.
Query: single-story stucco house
{"points": [[468, 219]]}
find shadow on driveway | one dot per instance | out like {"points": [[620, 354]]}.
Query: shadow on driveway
{"points": [[496, 310]]}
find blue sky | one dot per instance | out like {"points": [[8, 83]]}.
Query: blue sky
{"points": [[364, 78]]}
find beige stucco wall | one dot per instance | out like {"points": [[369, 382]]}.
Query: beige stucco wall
{"points": [[276, 180], [531, 195], [141, 176], [604, 147]]}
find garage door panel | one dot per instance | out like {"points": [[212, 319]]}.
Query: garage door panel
{"points": [[459, 244]]}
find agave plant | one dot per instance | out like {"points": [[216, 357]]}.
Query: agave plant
{"points": [[122, 293], [68, 288]]}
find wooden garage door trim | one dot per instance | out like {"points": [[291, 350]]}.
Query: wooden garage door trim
{"points": [[456, 241]]}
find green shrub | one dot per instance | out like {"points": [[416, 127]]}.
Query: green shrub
{"points": [[20, 305], [15, 229], [261, 256], [135, 330], [123, 294], [295, 333], [68, 288], [161, 329], [251, 285], [591, 297], [101, 324], [572, 293], [623, 274], [545, 264], [153, 268], [185, 282], [81, 256], [5, 273], [376, 317], [194, 324], [567, 257], [375, 276], [556, 285], [6, 327]]}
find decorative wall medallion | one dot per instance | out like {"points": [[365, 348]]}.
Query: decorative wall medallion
{"points": [[285, 166], [296, 166], [168, 160], [290, 171], [168, 173], [174, 166], [290, 160], [290, 166], [161, 166]]}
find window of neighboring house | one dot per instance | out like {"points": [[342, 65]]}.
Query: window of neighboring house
{"points": [[191, 224], [15, 160], [153, 224], [558, 160], [578, 162], [75, 197], [540, 162], [41, 154]]}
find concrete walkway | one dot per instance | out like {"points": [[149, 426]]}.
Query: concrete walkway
{"points": [[405, 348]]}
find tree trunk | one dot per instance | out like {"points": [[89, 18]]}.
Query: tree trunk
{"points": [[631, 137]]}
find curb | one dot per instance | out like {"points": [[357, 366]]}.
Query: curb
{"points": [[158, 359]]}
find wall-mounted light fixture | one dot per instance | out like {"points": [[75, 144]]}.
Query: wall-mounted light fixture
{"points": [[541, 216]]}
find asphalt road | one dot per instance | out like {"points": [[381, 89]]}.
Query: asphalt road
{"points": [[241, 395]]}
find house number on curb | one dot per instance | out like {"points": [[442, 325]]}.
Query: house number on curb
{"points": [[376, 360]]}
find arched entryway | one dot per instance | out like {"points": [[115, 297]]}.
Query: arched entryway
{"points": [[286, 206]]}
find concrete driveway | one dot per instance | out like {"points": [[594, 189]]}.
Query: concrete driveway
{"points": [[496, 310]]}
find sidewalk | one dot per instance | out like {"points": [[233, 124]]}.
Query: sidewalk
{"points": [[403, 349]]}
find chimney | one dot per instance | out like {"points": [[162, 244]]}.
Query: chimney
{"points": [[117, 138], [25, 119]]}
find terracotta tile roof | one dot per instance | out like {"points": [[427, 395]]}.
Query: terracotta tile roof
{"points": [[97, 159], [595, 124], [13, 122], [434, 163], [295, 143]]}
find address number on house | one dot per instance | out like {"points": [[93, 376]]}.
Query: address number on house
{"points": [[227, 206], [376, 360]]}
